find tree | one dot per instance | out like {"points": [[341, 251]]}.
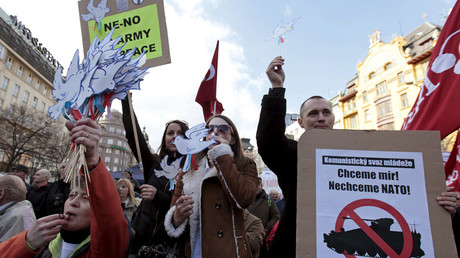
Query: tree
{"points": [[32, 138]]}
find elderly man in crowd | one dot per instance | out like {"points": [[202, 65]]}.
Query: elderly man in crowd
{"points": [[21, 171], [16, 213], [93, 223], [38, 192]]}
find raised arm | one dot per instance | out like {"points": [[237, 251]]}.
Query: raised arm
{"points": [[109, 228], [277, 151], [148, 160]]}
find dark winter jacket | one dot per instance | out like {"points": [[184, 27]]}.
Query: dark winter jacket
{"points": [[148, 219], [280, 154], [266, 210]]}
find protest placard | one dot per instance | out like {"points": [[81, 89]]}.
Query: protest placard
{"points": [[141, 25], [371, 193]]}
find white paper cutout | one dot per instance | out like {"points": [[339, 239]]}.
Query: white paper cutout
{"points": [[103, 76], [96, 13], [280, 30], [169, 171], [193, 144]]}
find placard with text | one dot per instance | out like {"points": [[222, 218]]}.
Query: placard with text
{"points": [[371, 194], [141, 25]]}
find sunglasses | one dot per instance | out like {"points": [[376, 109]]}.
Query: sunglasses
{"points": [[220, 128]]}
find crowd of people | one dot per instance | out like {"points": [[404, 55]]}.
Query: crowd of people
{"points": [[216, 209]]}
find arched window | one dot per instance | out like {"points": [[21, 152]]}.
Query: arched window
{"points": [[387, 66], [372, 75]]}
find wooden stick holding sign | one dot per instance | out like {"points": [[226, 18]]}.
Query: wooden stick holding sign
{"points": [[136, 138]]}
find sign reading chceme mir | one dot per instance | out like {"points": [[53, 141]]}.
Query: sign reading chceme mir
{"points": [[141, 27]]}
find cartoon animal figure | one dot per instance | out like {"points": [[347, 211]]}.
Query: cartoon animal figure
{"points": [[169, 171], [70, 90], [104, 75], [193, 144], [280, 30], [96, 13]]}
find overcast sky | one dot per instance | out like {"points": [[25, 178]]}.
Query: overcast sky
{"points": [[321, 53]]}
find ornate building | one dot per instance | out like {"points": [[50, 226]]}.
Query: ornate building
{"points": [[26, 82], [113, 146], [388, 80]]}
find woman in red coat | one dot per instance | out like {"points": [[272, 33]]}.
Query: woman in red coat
{"points": [[92, 225]]}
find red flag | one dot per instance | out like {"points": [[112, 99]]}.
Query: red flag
{"points": [[452, 166], [206, 95], [438, 102]]}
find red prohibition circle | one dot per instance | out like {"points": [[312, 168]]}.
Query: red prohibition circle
{"points": [[349, 211]]}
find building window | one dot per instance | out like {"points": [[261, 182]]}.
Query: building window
{"points": [[119, 143], [42, 106], [37, 85], [372, 75], [115, 160], [365, 96], [45, 91], [367, 115], [107, 159], [108, 150], [110, 141], [29, 78], [16, 90], [404, 100], [20, 71], [26, 96], [117, 151], [401, 78], [2, 51], [34, 102], [383, 109], [9, 63], [111, 129], [387, 66], [351, 122], [426, 45], [5, 83], [115, 168], [389, 126], [29, 121], [381, 88]]}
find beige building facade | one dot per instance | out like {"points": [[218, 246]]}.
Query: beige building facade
{"points": [[388, 81], [26, 72], [26, 82]]}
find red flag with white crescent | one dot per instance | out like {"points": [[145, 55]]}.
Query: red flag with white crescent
{"points": [[206, 95], [437, 105], [452, 167]]}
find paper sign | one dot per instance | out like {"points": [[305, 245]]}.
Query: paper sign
{"points": [[141, 26], [371, 194], [387, 190]]}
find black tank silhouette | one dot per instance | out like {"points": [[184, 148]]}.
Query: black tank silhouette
{"points": [[356, 241]]}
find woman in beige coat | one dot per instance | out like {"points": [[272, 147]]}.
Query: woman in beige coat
{"points": [[209, 201]]}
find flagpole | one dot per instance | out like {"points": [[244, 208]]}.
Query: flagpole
{"points": [[136, 138], [215, 107]]}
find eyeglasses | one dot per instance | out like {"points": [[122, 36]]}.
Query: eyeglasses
{"points": [[220, 128]]}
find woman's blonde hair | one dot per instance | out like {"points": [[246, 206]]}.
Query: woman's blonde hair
{"points": [[130, 186]]}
